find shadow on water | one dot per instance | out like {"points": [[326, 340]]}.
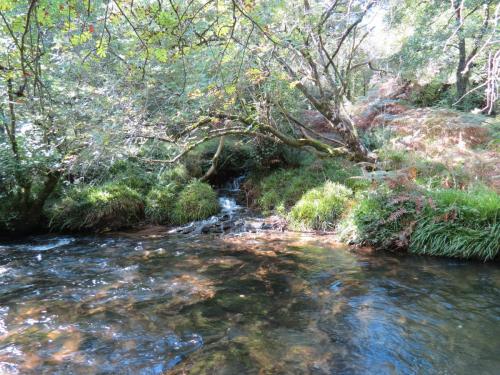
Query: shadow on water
{"points": [[250, 304]]}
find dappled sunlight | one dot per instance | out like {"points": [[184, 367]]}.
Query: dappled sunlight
{"points": [[264, 302]]}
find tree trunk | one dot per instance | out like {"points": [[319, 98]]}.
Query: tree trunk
{"points": [[31, 215], [215, 161], [461, 76]]}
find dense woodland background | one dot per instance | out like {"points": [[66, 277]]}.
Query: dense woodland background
{"points": [[373, 118]]}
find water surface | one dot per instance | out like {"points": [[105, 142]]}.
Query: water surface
{"points": [[251, 304]]}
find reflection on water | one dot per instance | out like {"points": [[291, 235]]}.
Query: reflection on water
{"points": [[252, 304]]}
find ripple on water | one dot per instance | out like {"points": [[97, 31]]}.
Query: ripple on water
{"points": [[50, 244], [270, 306]]}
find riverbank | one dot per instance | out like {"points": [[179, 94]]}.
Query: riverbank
{"points": [[432, 191]]}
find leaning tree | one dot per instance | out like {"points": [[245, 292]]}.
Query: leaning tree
{"points": [[249, 69]]}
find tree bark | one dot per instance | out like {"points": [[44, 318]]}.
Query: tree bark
{"points": [[461, 77], [215, 160]]}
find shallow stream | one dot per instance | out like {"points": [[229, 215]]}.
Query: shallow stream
{"points": [[268, 303]]}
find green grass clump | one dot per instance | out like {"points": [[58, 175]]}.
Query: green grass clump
{"points": [[444, 222], [160, 203], [282, 189], [98, 208], [196, 201], [177, 177], [320, 208], [462, 224]]}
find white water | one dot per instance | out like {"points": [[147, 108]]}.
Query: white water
{"points": [[228, 205], [50, 244]]}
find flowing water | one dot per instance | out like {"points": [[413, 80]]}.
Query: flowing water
{"points": [[241, 304]]}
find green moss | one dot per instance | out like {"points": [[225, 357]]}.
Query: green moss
{"points": [[107, 207], [196, 201]]}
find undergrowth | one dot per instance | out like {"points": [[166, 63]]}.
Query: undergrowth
{"points": [[443, 222], [280, 190], [196, 201], [320, 208], [108, 207]]}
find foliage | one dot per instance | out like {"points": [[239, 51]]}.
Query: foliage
{"points": [[283, 188], [448, 43], [160, 203], [196, 201], [108, 207], [98, 97], [429, 95], [463, 224], [132, 174], [177, 176], [320, 208], [445, 222], [385, 219], [9, 213], [237, 158]]}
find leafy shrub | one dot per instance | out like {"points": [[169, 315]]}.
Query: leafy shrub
{"points": [[382, 218], [131, 174], [196, 201], [108, 207], [160, 203], [320, 208]]}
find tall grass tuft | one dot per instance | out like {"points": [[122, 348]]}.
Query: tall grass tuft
{"points": [[108, 207], [160, 203], [320, 208], [462, 224], [444, 222], [196, 201]]}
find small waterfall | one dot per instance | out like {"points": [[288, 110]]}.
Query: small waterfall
{"points": [[228, 206], [225, 220], [234, 185]]}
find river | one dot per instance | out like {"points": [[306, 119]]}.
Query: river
{"points": [[263, 303]]}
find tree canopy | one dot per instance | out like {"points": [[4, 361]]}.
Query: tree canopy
{"points": [[86, 83]]}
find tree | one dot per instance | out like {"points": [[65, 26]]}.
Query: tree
{"points": [[453, 38], [47, 126], [259, 55]]}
